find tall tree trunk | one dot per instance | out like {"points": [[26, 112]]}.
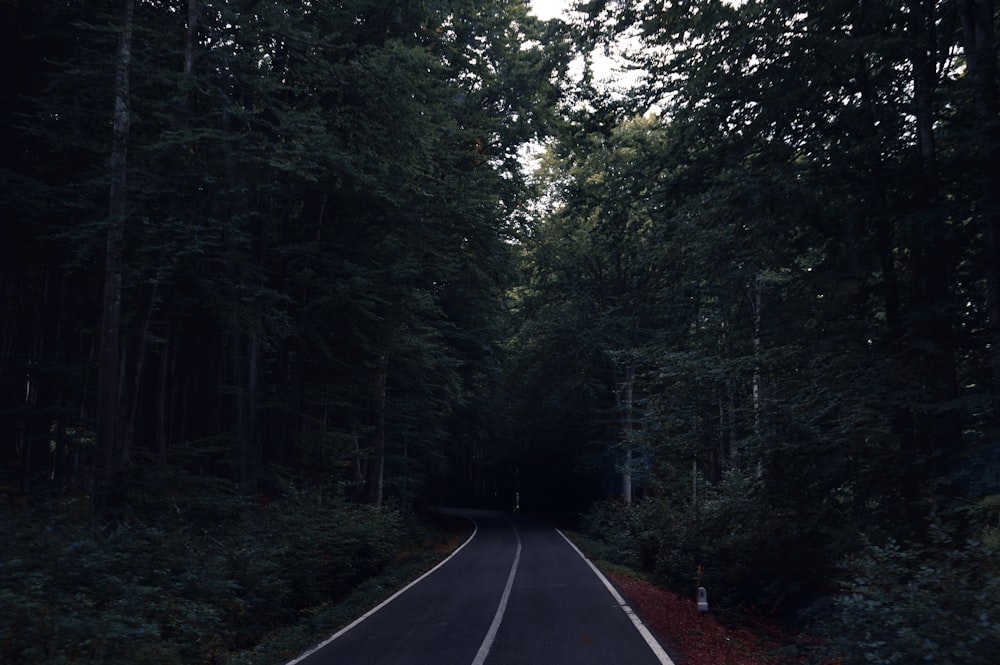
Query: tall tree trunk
{"points": [[375, 481], [191, 37], [247, 411], [360, 469], [251, 476], [757, 304], [979, 37], [876, 200], [106, 481], [937, 431], [137, 357], [161, 397], [190, 46], [625, 402]]}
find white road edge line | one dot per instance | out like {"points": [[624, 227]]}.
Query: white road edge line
{"points": [[385, 602], [636, 621], [491, 634]]}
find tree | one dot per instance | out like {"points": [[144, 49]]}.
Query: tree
{"points": [[320, 206], [597, 270], [108, 456], [977, 18], [804, 188]]}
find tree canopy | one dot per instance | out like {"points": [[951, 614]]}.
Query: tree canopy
{"points": [[316, 209]]}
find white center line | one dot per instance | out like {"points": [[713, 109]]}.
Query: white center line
{"points": [[484, 648]]}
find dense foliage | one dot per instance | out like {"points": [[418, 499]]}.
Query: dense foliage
{"points": [[196, 580], [764, 299], [309, 237], [284, 254], [252, 266]]}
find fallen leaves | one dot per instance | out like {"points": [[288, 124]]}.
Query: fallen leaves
{"points": [[690, 637]]}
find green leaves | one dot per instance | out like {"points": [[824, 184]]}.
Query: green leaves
{"points": [[179, 586], [906, 602], [782, 257], [310, 189]]}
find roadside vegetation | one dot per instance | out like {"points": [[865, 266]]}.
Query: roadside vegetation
{"points": [[897, 603], [689, 636], [202, 577], [756, 297]]}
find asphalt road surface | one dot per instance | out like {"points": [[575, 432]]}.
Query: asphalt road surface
{"points": [[516, 593]]}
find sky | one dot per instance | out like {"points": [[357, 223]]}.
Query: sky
{"points": [[546, 9], [608, 67]]}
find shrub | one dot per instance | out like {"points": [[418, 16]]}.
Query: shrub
{"points": [[751, 550], [630, 533], [913, 602], [176, 585]]}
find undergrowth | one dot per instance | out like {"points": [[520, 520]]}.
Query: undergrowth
{"points": [[886, 602], [208, 579]]}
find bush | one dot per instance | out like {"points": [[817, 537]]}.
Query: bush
{"points": [[911, 602], [173, 586], [630, 533], [751, 550]]}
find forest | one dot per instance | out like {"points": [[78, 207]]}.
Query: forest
{"points": [[279, 275]]}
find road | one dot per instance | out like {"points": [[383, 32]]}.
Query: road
{"points": [[516, 593]]}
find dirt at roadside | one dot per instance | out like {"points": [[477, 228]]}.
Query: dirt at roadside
{"points": [[689, 637]]}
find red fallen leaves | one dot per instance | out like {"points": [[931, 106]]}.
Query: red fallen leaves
{"points": [[690, 638]]}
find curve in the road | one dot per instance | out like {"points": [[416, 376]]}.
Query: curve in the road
{"points": [[388, 600]]}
